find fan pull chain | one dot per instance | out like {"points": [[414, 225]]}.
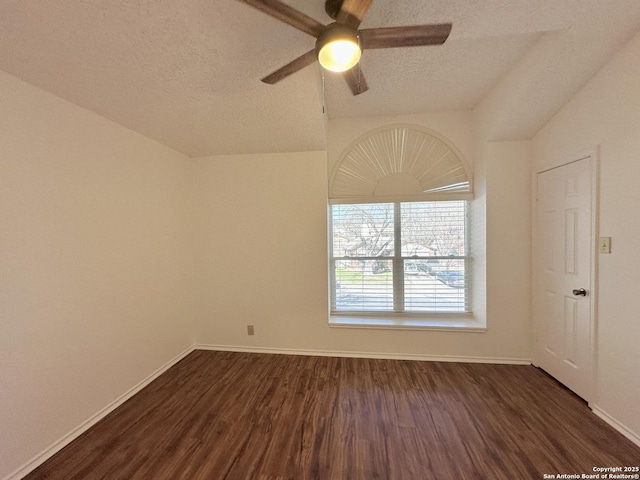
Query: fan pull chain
{"points": [[323, 99], [359, 69]]}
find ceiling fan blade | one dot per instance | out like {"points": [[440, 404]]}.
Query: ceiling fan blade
{"points": [[291, 67], [413, 36], [353, 11], [288, 15], [356, 81]]}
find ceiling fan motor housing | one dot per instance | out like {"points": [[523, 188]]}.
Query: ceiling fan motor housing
{"points": [[332, 7]]}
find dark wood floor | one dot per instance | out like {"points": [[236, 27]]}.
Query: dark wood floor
{"points": [[239, 416]]}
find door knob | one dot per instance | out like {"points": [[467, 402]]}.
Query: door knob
{"points": [[581, 292]]}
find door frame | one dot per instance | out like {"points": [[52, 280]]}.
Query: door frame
{"points": [[594, 154]]}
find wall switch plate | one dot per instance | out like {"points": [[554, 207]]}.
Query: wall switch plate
{"points": [[605, 245], [250, 330]]}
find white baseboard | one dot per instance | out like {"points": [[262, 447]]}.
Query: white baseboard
{"points": [[631, 435], [389, 356], [87, 424]]}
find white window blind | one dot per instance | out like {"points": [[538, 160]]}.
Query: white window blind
{"points": [[404, 257]]}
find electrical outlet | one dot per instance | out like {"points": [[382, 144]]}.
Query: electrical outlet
{"points": [[250, 330]]}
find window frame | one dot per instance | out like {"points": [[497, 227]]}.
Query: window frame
{"points": [[399, 316]]}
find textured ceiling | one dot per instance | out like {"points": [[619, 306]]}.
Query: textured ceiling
{"points": [[186, 72]]}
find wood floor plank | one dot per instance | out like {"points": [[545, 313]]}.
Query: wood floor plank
{"points": [[241, 416]]}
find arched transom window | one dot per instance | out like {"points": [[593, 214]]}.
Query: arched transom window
{"points": [[400, 161]]}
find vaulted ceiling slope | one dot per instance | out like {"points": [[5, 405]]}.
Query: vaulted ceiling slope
{"points": [[186, 72]]}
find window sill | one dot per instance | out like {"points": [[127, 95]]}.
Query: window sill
{"points": [[454, 323]]}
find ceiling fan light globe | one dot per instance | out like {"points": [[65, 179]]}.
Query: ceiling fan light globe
{"points": [[339, 55], [338, 47]]}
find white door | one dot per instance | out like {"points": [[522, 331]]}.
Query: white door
{"points": [[563, 276]]}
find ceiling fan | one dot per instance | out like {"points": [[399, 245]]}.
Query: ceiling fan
{"points": [[340, 44]]}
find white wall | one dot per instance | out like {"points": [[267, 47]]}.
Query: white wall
{"points": [[503, 195], [508, 227], [96, 265], [263, 225], [607, 113], [262, 252]]}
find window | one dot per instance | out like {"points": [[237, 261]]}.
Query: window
{"points": [[401, 258], [400, 199]]}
